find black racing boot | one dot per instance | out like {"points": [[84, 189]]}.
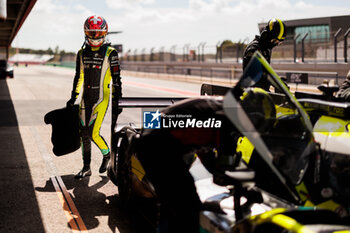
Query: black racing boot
{"points": [[104, 164], [86, 171]]}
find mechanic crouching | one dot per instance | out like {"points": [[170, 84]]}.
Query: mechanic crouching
{"points": [[166, 155]]}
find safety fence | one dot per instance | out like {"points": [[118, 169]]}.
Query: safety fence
{"points": [[230, 73], [319, 46]]}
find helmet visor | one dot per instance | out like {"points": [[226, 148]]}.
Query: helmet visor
{"points": [[95, 33]]}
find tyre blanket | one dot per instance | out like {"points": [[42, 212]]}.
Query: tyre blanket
{"points": [[65, 136]]}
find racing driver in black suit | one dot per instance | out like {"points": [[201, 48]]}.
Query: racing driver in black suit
{"points": [[97, 64]]}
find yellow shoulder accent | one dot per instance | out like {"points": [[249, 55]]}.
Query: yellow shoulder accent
{"points": [[109, 50]]}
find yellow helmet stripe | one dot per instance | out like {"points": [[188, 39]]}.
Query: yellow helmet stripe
{"points": [[271, 24], [281, 30]]}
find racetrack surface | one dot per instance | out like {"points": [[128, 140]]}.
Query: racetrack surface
{"points": [[38, 190]]}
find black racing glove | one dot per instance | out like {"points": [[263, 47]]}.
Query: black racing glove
{"points": [[70, 103]]}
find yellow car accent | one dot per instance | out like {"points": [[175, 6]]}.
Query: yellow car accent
{"points": [[329, 205], [309, 203], [269, 69], [268, 214], [332, 126], [246, 148], [276, 217], [137, 168], [302, 191], [289, 224], [282, 111]]}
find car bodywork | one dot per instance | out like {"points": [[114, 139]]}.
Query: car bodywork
{"points": [[238, 206], [6, 70]]}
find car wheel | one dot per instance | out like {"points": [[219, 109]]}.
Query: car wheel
{"points": [[124, 170]]}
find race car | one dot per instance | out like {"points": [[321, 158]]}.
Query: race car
{"points": [[263, 193], [6, 70]]}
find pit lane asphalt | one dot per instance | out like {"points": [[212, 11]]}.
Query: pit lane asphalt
{"points": [[35, 185]]}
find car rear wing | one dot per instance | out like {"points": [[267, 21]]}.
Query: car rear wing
{"points": [[209, 89], [329, 108], [145, 102]]}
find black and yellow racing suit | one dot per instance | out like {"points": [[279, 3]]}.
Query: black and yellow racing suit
{"points": [[265, 48], [95, 68]]}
